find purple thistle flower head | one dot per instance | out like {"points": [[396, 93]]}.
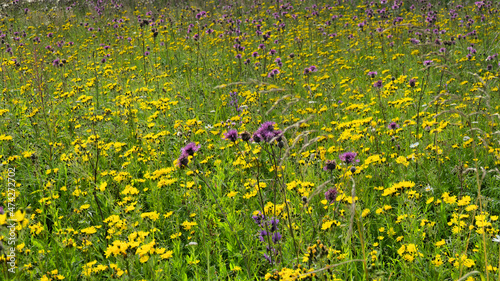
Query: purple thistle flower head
{"points": [[183, 160], [330, 165], [331, 195], [190, 148], [1, 210], [273, 73], [378, 84], [412, 82], [427, 62], [393, 126], [372, 74], [245, 136], [313, 68], [231, 135], [349, 157], [266, 133], [256, 137], [255, 54]]}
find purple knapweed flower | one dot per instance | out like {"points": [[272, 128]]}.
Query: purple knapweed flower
{"points": [[331, 195], [378, 84], [190, 148], [372, 74], [330, 165], [231, 135], [349, 157], [412, 82], [427, 62], [266, 132], [183, 160], [393, 126], [273, 73]]}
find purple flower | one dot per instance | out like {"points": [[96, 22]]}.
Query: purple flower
{"points": [[231, 135], [258, 218], [427, 62], [393, 126], [56, 62], [330, 165], [245, 136], [1, 210], [268, 258], [262, 234], [378, 84], [349, 157], [372, 74], [266, 133], [273, 73], [255, 54], [190, 148], [313, 68], [412, 82], [331, 195], [276, 237], [274, 224], [183, 160]]}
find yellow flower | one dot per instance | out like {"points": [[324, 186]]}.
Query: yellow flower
{"points": [[326, 225], [365, 212], [167, 255], [440, 243], [232, 194], [176, 235], [151, 215]]}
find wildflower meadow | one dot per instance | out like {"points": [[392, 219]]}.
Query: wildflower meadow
{"points": [[249, 140]]}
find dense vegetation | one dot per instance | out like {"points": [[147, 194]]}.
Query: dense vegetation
{"points": [[250, 140]]}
